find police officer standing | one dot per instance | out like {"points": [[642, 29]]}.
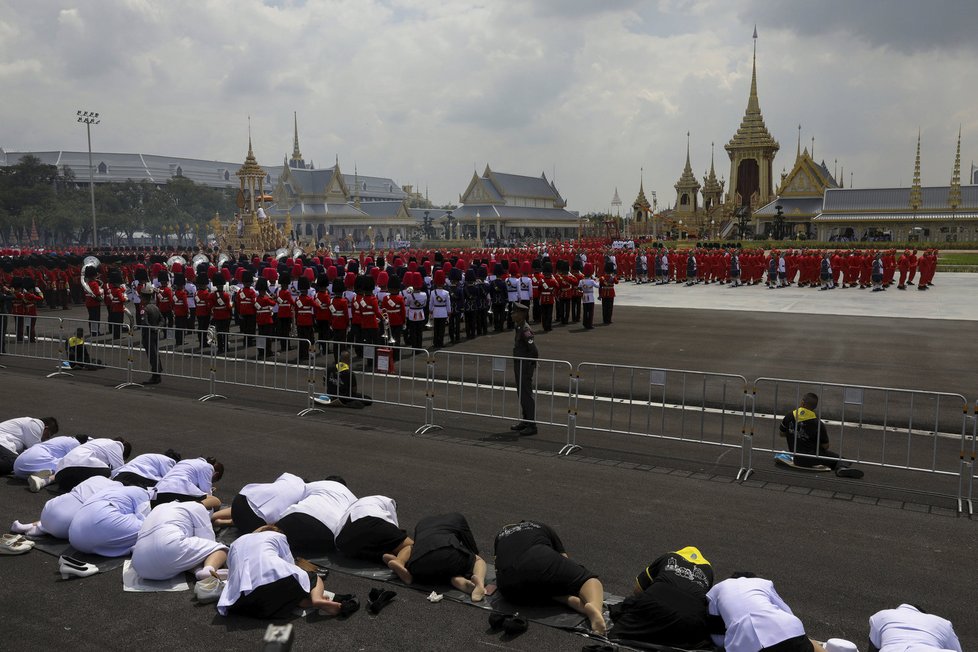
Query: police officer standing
{"points": [[523, 369]]}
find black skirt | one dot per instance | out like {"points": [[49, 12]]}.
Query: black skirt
{"points": [[369, 538], [243, 516], [539, 574], [274, 600]]}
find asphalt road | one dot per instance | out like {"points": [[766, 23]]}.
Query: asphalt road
{"points": [[836, 550]]}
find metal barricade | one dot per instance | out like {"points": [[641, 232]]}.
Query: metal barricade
{"points": [[885, 427], [192, 359], [40, 338], [270, 363], [383, 374], [486, 385], [666, 404], [107, 345]]}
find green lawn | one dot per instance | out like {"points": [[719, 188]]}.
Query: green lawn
{"points": [[959, 258]]}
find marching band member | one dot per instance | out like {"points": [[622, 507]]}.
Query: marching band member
{"points": [[265, 318], [306, 305], [93, 299], [324, 300], [441, 308], [339, 311], [220, 308], [181, 311], [606, 292], [393, 311], [415, 302], [286, 308], [203, 308], [115, 300]]}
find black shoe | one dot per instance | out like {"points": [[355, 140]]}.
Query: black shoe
{"points": [[528, 431], [379, 599], [154, 380], [848, 472], [519, 426]]}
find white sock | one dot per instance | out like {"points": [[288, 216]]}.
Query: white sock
{"points": [[204, 573], [21, 528]]}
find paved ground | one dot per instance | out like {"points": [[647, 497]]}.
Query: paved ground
{"points": [[836, 550]]}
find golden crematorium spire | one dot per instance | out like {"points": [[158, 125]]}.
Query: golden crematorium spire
{"points": [[954, 194], [296, 154], [915, 198]]}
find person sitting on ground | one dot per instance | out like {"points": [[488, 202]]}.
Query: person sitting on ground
{"points": [[190, 481], [312, 523], [177, 537], [108, 523], [78, 353], [58, 512], [17, 435], [341, 385], [370, 531], [266, 581], [261, 503], [444, 551], [532, 566], [94, 457], [911, 628], [668, 605], [808, 439], [145, 470], [752, 617], [43, 458]]}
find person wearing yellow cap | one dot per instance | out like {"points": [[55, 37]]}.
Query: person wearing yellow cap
{"points": [[668, 605]]}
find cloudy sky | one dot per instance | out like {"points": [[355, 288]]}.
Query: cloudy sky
{"points": [[426, 90]]}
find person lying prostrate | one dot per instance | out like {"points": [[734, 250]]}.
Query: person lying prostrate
{"points": [[57, 513], [265, 582], [369, 531], [145, 470], [261, 504], [94, 457], [532, 566], [444, 551], [177, 537], [668, 605], [108, 523], [17, 435], [312, 523], [44, 457], [911, 629], [753, 617], [190, 481]]}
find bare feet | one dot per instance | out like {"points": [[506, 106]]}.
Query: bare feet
{"points": [[479, 592], [329, 607], [399, 569], [596, 618]]}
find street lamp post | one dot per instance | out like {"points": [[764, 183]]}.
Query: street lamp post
{"points": [[89, 118]]}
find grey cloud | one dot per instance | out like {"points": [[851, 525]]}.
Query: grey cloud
{"points": [[905, 26]]}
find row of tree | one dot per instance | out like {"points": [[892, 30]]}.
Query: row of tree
{"points": [[51, 199]]}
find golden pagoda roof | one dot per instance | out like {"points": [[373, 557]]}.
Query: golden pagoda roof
{"points": [[753, 133], [641, 201], [251, 167], [688, 180], [710, 184], [954, 192]]}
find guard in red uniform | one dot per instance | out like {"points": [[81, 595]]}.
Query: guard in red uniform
{"points": [[244, 303], [286, 308], [548, 289], [202, 308], [93, 299], [306, 304], [322, 312], [339, 314], [392, 309], [181, 309], [606, 292], [115, 299]]}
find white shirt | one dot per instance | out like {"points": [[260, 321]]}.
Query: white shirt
{"points": [[17, 435], [512, 289], [255, 560], [188, 477], [270, 500], [381, 507], [905, 629], [57, 514], [326, 501], [588, 285], [152, 466], [108, 523], [415, 303], [441, 303], [526, 288], [755, 615], [95, 453], [175, 537], [43, 456]]}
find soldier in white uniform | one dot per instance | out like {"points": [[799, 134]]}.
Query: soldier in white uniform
{"points": [[415, 302], [441, 308]]}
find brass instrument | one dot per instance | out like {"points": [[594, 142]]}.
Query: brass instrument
{"points": [[211, 335], [222, 259], [90, 261], [172, 260], [281, 254], [198, 259], [297, 252], [388, 337]]}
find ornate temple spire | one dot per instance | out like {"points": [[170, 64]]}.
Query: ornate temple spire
{"points": [[753, 132], [710, 183], [915, 197], [799, 142], [356, 184], [641, 201], [688, 179], [296, 154], [954, 194]]}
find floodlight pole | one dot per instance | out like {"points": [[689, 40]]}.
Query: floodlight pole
{"points": [[89, 118]]}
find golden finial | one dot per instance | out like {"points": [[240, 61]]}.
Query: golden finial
{"points": [[954, 194], [915, 194], [296, 154]]}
